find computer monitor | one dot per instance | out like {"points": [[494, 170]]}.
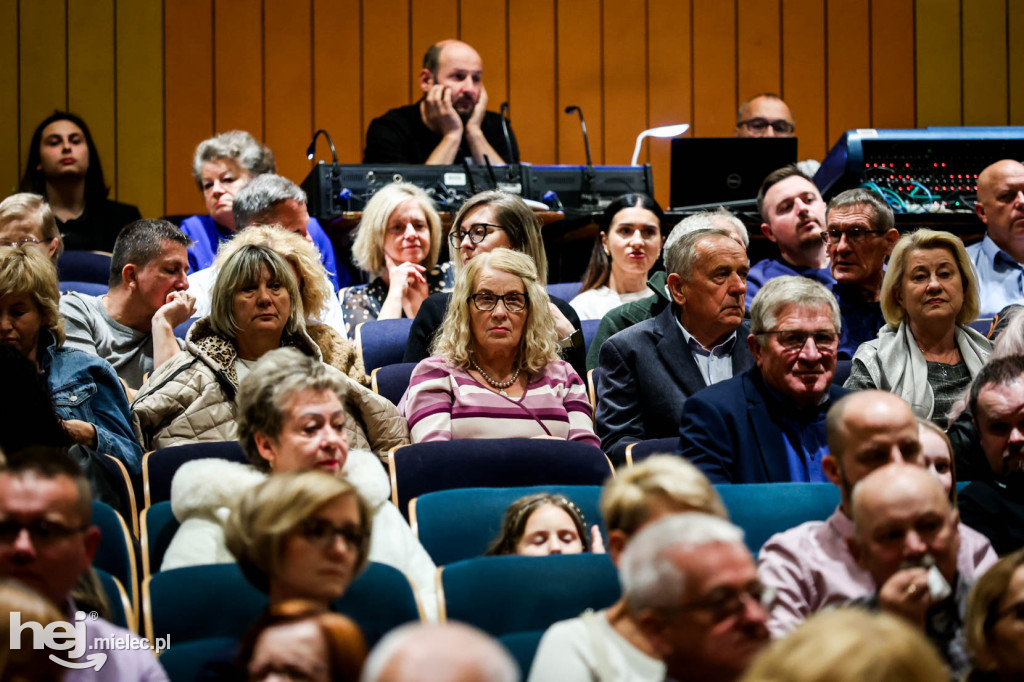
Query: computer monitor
{"points": [[719, 169]]}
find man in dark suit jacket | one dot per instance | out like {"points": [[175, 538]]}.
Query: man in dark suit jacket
{"points": [[647, 371], [768, 423]]}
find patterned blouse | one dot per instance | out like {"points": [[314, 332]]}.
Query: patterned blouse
{"points": [[362, 303]]}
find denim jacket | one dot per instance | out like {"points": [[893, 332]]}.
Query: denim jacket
{"points": [[85, 387]]}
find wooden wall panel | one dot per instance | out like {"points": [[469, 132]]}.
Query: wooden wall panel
{"points": [[1015, 49], [580, 72], [140, 105], [892, 63], [937, 26], [337, 78], [482, 24], [432, 21], [803, 74], [625, 80], [386, 72], [984, 63], [533, 88], [670, 98], [714, 68], [238, 66], [10, 132], [91, 75], [758, 48], [288, 85], [42, 63], [849, 66], [188, 97]]}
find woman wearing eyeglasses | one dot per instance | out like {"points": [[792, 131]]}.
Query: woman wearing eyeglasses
{"points": [[397, 243], [926, 353], [491, 220], [495, 372]]}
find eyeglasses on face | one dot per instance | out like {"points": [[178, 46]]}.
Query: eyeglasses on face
{"points": [[477, 232], [759, 125], [825, 340], [732, 603], [19, 242], [854, 235], [321, 533], [41, 532], [514, 301]]}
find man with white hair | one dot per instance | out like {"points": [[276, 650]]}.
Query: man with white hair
{"points": [[449, 652], [692, 588]]}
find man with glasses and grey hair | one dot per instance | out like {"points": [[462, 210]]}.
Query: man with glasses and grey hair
{"points": [[768, 423], [859, 236], [691, 586]]}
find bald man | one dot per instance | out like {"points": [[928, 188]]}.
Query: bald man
{"points": [[906, 537], [449, 123], [450, 652], [766, 115], [811, 565], [998, 257]]}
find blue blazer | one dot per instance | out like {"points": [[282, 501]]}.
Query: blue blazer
{"points": [[729, 431], [645, 374]]}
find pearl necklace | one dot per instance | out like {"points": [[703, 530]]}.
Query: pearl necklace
{"points": [[500, 385]]}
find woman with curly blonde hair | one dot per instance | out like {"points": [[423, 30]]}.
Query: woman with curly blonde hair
{"points": [[495, 370]]}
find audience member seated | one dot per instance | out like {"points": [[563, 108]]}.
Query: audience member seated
{"points": [[487, 221], [86, 392], [766, 115], [298, 640], [937, 457], [608, 645], [319, 304], [997, 258], [906, 536], [64, 167], [222, 166], [397, 243], [994, 502], [768, 423], [626, 249], [47, 541], [495, 370], [693, 591], [20, 660], [647, 372], [26, 218], [850, 645], [452, 652], [291, 418], [994, 636], [860, 235], [927, 353], [132, 326], [543, 524], [256, 307], [794, 218], [811, 566], [628, 314], [449, 123]]}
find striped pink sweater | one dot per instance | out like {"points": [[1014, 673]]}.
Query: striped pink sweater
{"points": [[447, 403]]}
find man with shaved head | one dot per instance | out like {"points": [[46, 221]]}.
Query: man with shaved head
{"points": [[450, 652], [906, 536], [811, 565], [449, 123], [998, 256]]}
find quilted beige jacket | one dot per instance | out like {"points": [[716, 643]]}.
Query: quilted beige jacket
{"points": [[191, 397]]}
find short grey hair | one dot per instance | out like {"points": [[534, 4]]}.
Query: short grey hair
{"points": [[491, 660], [649, 576], [786, 290], [238, 146], [34, 209], [275, 378], [707, 220], [881, 213], [244, 267], [254, 202], [681, 255]]}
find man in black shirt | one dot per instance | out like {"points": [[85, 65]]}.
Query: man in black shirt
{"points": [[449, 123]]}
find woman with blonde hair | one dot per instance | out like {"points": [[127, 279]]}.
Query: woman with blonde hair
{"points": [[495, 368], [994, 622], [397, 243], [25, 662], [926, 354]]}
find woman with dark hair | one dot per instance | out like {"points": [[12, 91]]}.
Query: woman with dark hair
{"points": [[64, 167], [626, 249]]}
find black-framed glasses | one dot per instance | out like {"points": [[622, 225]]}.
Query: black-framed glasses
{"points": [[515, 301], [477, 233], [759, 125], [41, 532], [854, 235], [732, 603], [321, 533], [825, 340]]}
